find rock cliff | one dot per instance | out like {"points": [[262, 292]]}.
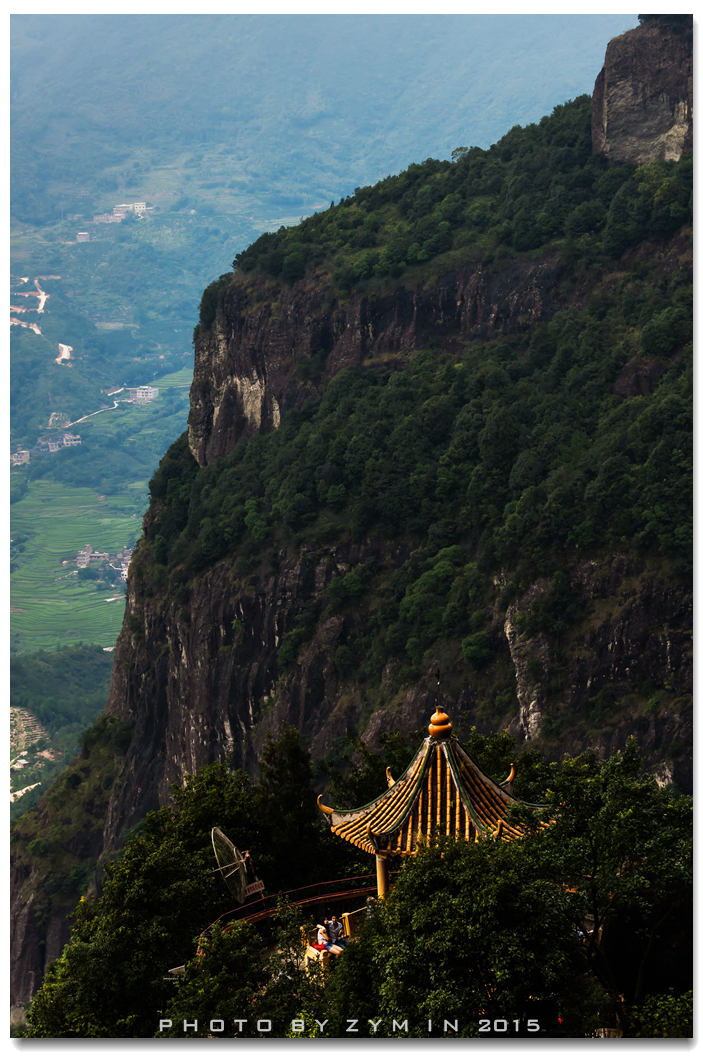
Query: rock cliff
{"points": [[247, 365], [643, 96], [206, 685], [202, 682]]}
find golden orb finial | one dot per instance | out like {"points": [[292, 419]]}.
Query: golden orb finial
{"points": [[440, 727]]}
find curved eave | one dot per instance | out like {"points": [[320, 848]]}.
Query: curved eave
{"points": [[442, 792], [486, 802], [387, 812]]}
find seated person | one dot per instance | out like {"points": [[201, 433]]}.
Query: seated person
{"points": [[335, 930], [323, 939]]}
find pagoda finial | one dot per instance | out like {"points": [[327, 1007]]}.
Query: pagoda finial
{"points": [[440, 727]]}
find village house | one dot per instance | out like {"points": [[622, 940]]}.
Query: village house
{"points": [[83, 557], [142, 395], [121, 210], [52, 443], [88, 555], [124, 558]]}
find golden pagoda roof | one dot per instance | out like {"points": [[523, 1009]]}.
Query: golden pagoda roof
{"points": [[442, 792]]}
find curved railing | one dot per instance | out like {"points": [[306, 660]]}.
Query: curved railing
{"points": [[331, 890]]}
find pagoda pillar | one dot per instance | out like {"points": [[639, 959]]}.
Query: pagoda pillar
{"points": [[382, 882]]}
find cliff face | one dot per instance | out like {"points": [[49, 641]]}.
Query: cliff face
{"points": [[202, 684], [205, 686], [643, 96], [246, 367], [637, 634], [34, 941]]}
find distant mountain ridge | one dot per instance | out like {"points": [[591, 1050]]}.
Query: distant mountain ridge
{"points": [[343, 99]]}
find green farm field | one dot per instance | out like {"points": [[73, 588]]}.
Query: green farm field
{"points": [[48, 602], [178, 379]]}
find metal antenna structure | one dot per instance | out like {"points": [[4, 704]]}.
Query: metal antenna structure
{"points": [[231, 863]]}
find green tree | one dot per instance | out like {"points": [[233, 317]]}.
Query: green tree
{"points": [[625, 847], [164, 890], [470, 930], [221, 983], [294, 836], [663, 1016]]}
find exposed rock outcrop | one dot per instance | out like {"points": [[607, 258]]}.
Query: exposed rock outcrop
{"points": [[638, 377], [27, 943], [208, 686], [205, 685], [247, 365], [643, 96], [531, 658], [636, 633]]}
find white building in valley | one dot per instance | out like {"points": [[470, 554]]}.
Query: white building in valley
{"points": [[142, 395]]}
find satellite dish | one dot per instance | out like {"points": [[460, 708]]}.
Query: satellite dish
{"points": [[231, 863]]}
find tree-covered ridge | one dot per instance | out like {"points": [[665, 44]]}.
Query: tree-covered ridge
{"points": [[673, 20], [519, 458], [535, 186]]}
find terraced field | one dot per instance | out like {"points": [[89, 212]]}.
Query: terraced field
{"points": [[24, 730], [49, 604], [182, 378]]}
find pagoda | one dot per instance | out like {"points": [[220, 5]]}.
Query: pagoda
{"points": [[441, 793]]}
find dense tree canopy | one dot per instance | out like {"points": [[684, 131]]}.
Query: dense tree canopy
{"points": [[164, 890], [588, 920], [532, 188]]}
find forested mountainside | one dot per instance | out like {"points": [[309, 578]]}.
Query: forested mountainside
{"points": [[444, 424], [221, 127]]}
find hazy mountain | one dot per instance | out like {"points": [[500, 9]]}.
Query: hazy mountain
{"points": [[296, 108]]}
